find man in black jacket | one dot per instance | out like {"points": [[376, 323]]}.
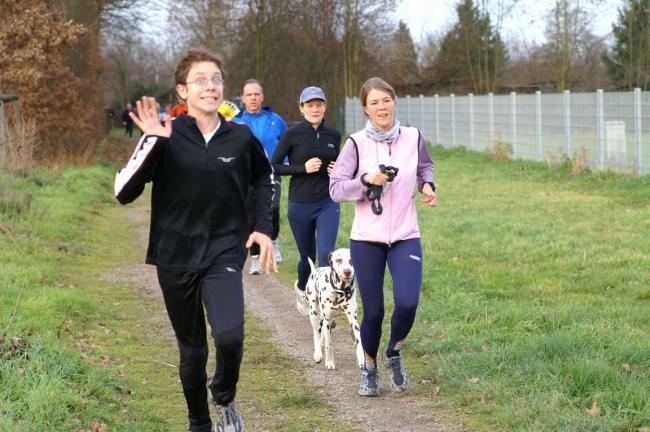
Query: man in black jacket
{"points": [[127, 121], [201, 167]]}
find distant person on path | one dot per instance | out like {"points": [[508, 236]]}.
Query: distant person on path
{"points": [[110, 118], [127, 121], [177, 110], [311, 148], [268, 127], [201, 167], [379, 169]]}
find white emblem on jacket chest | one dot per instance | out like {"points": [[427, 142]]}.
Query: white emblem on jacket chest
{"points": [[226, 159]]}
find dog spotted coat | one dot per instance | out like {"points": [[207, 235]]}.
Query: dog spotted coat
{"points": [[330, 291]]}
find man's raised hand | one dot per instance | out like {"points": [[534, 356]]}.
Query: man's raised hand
{"points": [[148, 119]]}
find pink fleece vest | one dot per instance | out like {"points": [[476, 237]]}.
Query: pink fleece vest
{"points": [[399, 219]]}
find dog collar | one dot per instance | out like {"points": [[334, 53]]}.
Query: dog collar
{"points": [[346, 289]]}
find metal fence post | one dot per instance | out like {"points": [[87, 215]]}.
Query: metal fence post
{"points": [[471, 121], [638, 165], [408, 110], [567, 123], [359, 116], [491, 117], [600, 128], [513, 124], [538, 124], [351, 116], [436, 99], [421, 112], [452, 99]]}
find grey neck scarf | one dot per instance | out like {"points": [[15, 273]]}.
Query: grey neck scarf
{"points": [[377, 135]]}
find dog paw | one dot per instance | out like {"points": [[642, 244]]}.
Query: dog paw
{"points": [[329, 364], [318, 357]]}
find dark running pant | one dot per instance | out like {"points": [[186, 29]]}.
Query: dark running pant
{"points": [[313, 225], [404, 261], [219, 290], [275, 217]]}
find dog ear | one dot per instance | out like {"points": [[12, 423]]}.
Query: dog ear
{"points": [[329, 259]]}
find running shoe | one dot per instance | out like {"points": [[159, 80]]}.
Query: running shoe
{"points": [[301, 300], [369, 383], [399, 379], [228, 419], [255, 266]]}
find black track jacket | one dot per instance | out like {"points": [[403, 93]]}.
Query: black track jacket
{"points": [[198, 201], [301, 143]]}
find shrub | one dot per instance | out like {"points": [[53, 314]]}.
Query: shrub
{"points": [[21, 142], [500, 151]]}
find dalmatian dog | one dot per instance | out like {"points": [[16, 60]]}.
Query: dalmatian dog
{"points": [[330, 291]]}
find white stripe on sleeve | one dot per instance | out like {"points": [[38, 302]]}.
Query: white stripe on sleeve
{"points": [[142, 150]]}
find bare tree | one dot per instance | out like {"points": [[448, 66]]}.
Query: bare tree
{"points": [[207, 23], [428, 50], [287, 44], [359, 16], [571, 43]]}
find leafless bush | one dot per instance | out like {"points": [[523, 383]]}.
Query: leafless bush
{"points": [[552, 159], [500, 151], [579, 163], [20, 144]]}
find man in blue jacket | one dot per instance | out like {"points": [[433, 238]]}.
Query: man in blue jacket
{"points": [[267, 127]]}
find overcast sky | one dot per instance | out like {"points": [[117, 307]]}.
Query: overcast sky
{"points": [[527, 21], [423, 17]]}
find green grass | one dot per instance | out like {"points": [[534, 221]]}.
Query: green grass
{"points": [[537, 283], [534, 306], [44, 381], [86, 346]]}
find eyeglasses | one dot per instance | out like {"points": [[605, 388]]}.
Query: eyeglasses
{"points": [[203, 81]]}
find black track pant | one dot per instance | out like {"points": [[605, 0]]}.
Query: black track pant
{"points": [[219, 290]]}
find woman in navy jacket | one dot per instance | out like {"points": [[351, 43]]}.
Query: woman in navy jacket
{"points": [[311, 148]]}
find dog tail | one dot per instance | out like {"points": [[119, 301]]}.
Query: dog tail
{"points": [[311, 264]]}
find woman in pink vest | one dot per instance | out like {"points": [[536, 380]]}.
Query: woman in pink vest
{"points": [[379, 169]]}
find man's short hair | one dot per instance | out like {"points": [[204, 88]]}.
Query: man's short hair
{"points": [[195, 56], [252, 81]]}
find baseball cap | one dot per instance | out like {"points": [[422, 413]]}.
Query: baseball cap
{"points": [[310, 93]]}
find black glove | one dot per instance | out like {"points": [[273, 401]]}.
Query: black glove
{"points": [[374, 192]]}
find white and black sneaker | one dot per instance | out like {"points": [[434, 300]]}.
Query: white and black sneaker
{"points": [[399, 379], [301, 300], [369, 381], [255, 266], [229, 419]]}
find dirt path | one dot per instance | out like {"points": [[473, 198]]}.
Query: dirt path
{"points": [[274, 304]]}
